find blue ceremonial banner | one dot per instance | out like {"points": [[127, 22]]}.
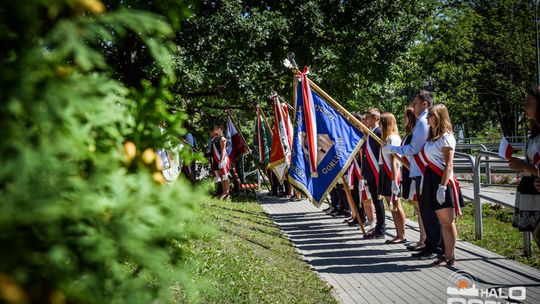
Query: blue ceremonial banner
{"points": [[338, 141]]}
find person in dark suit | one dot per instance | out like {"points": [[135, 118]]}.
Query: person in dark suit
{"points": [[370, 171]]}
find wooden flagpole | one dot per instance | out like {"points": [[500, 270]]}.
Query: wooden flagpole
{"points": [[352, 204], [349, 116], [266, 122], [238, 130]]}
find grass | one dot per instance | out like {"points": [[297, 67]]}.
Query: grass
{"points": [[499, 235], [248, 260]]}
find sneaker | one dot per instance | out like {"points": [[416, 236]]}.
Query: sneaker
{"points": [[336, 213], [349, 219], [369, 226]]}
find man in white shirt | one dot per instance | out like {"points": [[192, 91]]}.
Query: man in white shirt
{"points": [[434, 244]]}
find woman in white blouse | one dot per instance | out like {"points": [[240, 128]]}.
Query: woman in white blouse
{"points": [[390, 175], [440, 188]]}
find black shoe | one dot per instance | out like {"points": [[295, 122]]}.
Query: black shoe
{"points": [[422, 253], [429, 257], [349, 219], [336, 213], [352, 223], [379, 234], [413, 248], [327, 209], [375, 235]]}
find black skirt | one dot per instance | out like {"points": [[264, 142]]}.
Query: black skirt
{"points": [[384, 187], [527, 205], [406, 182], [430, 184]]}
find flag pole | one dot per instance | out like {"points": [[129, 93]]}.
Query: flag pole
{"points": [[266, 121], [238, 130], [285, 102], [348, 115], [352, 204]]}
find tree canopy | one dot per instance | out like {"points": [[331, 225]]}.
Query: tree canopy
{"points": [[476, 56]]}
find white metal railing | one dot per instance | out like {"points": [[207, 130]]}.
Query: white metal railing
{"points": [[490, 157]]}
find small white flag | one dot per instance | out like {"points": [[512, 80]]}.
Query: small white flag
{"points": [[505, 148]]}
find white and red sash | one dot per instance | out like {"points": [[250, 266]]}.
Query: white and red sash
{"points": [[452, 181], [408, 165], [420, 162], [388, 169], [405, 158], [372, 161], [354, 170], [364, 191], [217, 159]]}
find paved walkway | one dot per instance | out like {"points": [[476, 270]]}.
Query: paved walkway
{"points": [[367, 271], [504, 195]]}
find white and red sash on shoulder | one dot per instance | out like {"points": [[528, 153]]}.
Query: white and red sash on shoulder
{"points": [[452, 181], [408, 165], [372, 161], [355, 170], [387, 166], [217, 159]]}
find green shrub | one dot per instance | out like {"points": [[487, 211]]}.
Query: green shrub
{"points": [[80, 220]]}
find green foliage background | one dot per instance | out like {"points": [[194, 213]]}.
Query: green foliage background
{"points": [[477, 57], [80, 222]]}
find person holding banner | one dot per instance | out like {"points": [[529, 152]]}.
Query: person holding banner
{"points": [[408, 188], [440, 187], [527, 206], [220, 163], [389, 176], [370, 171], [365, 195]]}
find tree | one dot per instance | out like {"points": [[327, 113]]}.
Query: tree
{"points": [[231, 52], [479, 58]]}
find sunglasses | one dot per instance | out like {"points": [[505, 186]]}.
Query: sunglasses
{"points": [[430, 114]]}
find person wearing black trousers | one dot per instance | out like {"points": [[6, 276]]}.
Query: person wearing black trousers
{"points": [[434, 245], [370, 171], [352, 221]]}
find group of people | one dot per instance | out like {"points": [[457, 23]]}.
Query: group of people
{"points": [[417, 168], [225, 171]]}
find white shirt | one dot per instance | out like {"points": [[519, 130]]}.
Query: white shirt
{"points": [[408, 157], [392, 140], [433, 149], [419, 136]]}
